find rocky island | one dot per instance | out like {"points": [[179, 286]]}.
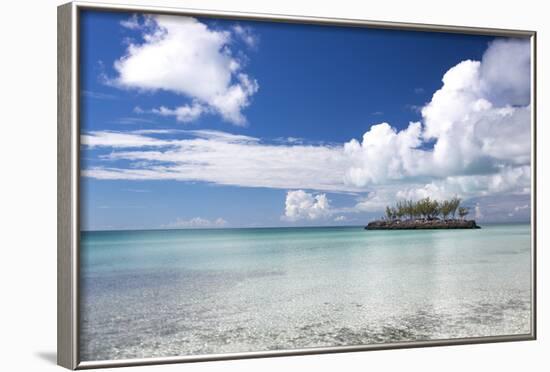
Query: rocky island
{"points": [[424, 214]]}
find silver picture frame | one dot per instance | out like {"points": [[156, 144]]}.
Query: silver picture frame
{"points": [[68, 188]]}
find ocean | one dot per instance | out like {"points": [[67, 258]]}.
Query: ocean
{"points": [[161, 293]]}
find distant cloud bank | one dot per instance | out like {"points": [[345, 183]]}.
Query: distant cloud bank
{"points": [[196, 223]]}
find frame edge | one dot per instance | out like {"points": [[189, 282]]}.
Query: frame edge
{"points": [[68, 190], [534, 186], [65, 273], [301, 19]]}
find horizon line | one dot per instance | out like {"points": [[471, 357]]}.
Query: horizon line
{"points": [[269, 227]]}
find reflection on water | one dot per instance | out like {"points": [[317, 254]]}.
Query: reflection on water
{"points": [[166, 293]]}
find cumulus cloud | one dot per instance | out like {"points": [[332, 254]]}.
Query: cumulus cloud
{"points": [[376, 200], [512, 181], [505, 79], [229, 159], [301, 205], [474, 141], [475, 119], [385, 154], [479, 122], [196, 223], [186, 57]]}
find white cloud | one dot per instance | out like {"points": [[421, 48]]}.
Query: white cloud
{"points": [[376, 200], [474, 120], [521, 207], [477, 212], [340, 219], [155, 131], [520, 211], [223, 136], [512, 181], [246, 35], [97, 95], [474, 134], [184, 56], [505, 69], [137, 190], [384, 155], [120, 140], [196, 223], [301, 205], [229, 159], [131, 23], [501, 207], [221, 158], [473, 141], [131, 121], [185, 113]]}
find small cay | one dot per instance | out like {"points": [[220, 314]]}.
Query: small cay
{"points": [[424, 214], [421, 224]]}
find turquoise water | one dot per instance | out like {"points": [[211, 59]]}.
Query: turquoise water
{"points": [[189, 292]]}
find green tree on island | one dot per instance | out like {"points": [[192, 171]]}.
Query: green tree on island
{"points": [[389, 213], [426, 209], [463, 212]]}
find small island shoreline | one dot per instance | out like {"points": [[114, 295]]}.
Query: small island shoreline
{"points": [[422, 225], [424, 214]]}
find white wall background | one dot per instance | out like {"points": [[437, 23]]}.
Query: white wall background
{"points": [[28, 185]]}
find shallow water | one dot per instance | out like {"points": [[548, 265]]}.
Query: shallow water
{"points": [[187, 292]]}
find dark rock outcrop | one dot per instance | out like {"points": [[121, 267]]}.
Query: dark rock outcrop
{"points": [[421, 224]]}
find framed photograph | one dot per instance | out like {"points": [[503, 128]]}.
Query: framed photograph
{"points": [[235, 185]]}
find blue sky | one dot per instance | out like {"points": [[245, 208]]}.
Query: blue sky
{"points": [[218, 123]]}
